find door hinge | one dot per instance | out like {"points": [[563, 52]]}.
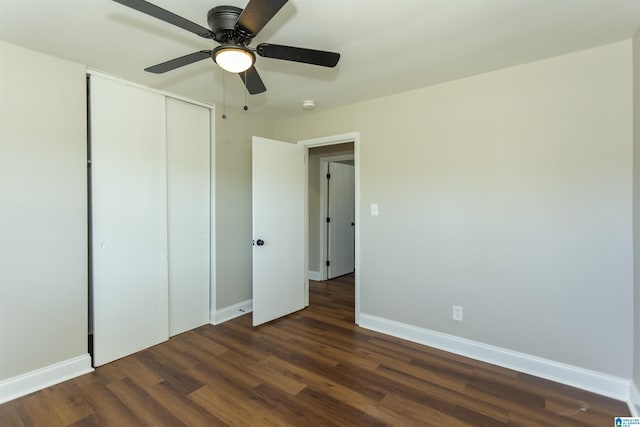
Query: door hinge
{"points": [[328, 263], [328, 176], [328, 219]]}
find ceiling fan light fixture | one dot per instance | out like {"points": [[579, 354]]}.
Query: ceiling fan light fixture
{"points": [[234, 59]]}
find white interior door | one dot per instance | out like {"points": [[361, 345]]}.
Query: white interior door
{"points": [[129, 219], [188, 141], [341, 211], [279, 179]]}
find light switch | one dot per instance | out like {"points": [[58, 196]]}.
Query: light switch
{"points": [[374, 209], [457, 313]]}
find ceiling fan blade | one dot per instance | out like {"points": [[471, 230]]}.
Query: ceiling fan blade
{"points": [[252, 81], [166, 16], [298, 54], [257, 13], [179, 62]]}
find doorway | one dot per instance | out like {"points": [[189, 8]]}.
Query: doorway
{"points": [[335, 220], [321, 152]]}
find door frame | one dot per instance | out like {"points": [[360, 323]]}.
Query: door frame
{"points": [[320, 142], [324, 161]]}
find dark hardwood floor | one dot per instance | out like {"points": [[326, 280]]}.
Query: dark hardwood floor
{"points": [[311, 368]]}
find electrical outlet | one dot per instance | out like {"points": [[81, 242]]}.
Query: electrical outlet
{"points": [[457, 313]]}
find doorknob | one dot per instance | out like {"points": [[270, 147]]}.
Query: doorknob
{"points": [[259, 242]]}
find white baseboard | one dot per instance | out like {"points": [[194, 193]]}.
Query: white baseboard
{"points": [[23, 384], [596, 382], [231, 312], [315, 275], [634, 400]]}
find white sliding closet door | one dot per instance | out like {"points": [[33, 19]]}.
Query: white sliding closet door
{"points": [[188, 136], [129, 219]]}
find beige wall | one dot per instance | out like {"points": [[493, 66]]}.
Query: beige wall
{"points": [[636, 207], [43, 211], [508, 193], [233, 205], [315, 216]]}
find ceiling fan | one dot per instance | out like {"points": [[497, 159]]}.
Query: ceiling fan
{"points": [[234, 28]]}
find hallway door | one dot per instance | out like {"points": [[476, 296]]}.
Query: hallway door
{"points": [[340, 219]]}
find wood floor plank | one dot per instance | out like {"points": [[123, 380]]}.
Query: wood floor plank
{"points": [[312, 368], [35, 409], [108, 409], [421, 413], [226, 371], [417, 385], [196, 343], [67, 402], [269, 370], [346, 412], [347, 345], [178, 378], [147, 409], [292, 411], [306, 350], [139, 372], [109, 373], [183, 407], [233, 407], [10, 414]]}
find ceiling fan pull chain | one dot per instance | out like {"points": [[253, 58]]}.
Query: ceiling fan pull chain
{"points": [[224, 99], [245, 108]]}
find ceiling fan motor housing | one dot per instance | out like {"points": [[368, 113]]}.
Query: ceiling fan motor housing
{"points": [[222, 21]]}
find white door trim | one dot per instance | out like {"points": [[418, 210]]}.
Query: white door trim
{"points": [[332, 140], [324, 161]]}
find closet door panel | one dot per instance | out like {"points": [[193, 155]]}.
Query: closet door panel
{"points": [[188, 145], [129, 219]]}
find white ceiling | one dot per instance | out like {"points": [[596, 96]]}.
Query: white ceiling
{"points": [[386, 46]]}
